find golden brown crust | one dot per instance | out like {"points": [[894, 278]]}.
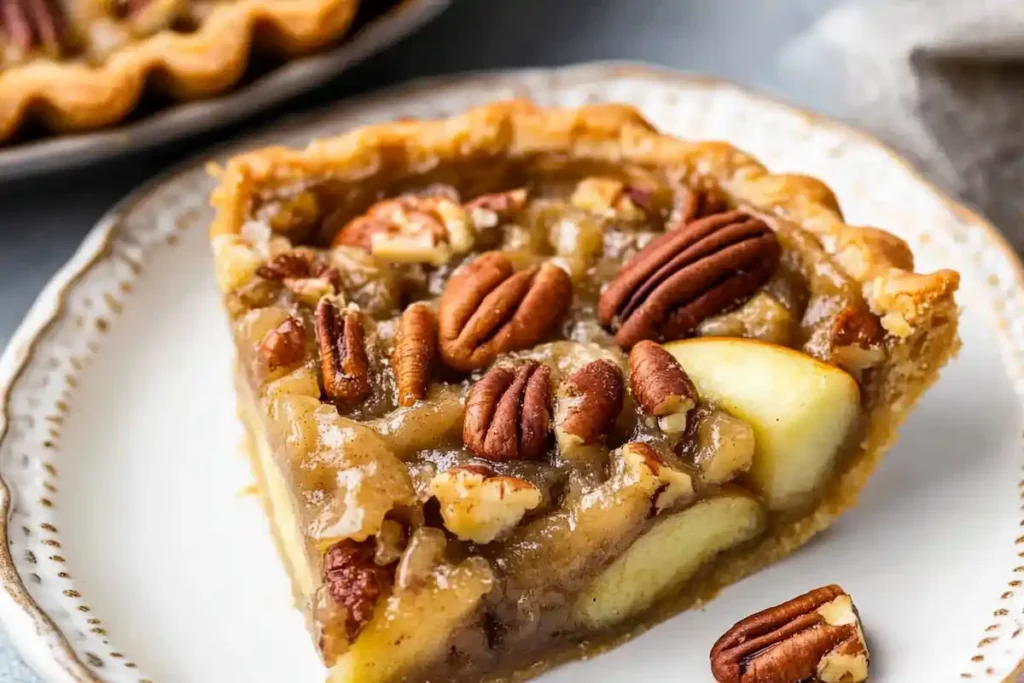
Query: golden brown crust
{"points": [[880, 262], [72, 96]]}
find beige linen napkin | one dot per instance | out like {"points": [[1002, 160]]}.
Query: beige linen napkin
{"points": [[943, 81]]}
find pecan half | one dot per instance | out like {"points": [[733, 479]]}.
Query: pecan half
{"points": [[30, 24], [660, 386], [354, 581], [816, 636], [284, 345], [589, 402], [687, 275], [342, 352], [415, 344], [411, 229], [488, 308], [508, 413]]}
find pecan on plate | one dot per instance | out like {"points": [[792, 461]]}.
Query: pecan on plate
{"points": [[687, 275], [661, 387], [31, 24], [411, 229], [354, 581], [415, 344], [816, 636], [343, 361], [284, 345], [488, 308], [589, 402], [508, 413]]}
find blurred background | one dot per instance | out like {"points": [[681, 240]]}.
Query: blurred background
{"points": [[942, 80]]}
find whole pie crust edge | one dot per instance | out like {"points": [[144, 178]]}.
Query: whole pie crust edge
{"points": [[75, 96], [917, 310]]}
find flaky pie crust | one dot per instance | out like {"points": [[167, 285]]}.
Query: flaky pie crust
{"points": [[72, 96], [917, 310]]}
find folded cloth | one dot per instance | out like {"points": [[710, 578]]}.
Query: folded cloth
{"points": [[941, 80]]}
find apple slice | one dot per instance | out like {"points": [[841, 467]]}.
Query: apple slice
{"points": [[665, 557], [800, 408]]}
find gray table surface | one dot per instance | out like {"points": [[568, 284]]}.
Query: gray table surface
{"points": [[43, 220]]}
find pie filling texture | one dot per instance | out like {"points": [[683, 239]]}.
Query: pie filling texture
{"points": [[82, 64], [524, 382]]}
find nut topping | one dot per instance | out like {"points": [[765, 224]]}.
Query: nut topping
{"points": [[701, 202], [415, 344], [488, 308], [489, 210], [307, 277], [687, 275], [661, 387], [589, 402], [290, 264], [411, 229], [354, 581], [342, 352], [671, 486], [478, 505], [284, 345], [29, 24], [611, 198], [816, 636], [508, 414]]}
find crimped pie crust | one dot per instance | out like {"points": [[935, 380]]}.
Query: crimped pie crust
{"points": [[71, 96], [918, 311]]}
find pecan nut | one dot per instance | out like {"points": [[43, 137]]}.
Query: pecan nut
{"points": [[490, 210], [411, 229], [284, 345], [689, 274], [343, 360], [488, 308], [701, 202], [611, 198], [671, 487], [30, 24], [415, 344], [661, 387], [589, 402], [309, 278], [354, 581], [816, 636], [478, 505], [508, 413]]}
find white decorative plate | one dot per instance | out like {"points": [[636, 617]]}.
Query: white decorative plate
{"points": [[136, 553], [177, 121]]}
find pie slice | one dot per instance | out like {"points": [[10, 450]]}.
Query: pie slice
{"points": [[524, 382], [82, 64]]}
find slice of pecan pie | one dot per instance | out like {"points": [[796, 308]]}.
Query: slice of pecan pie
{"points": [[81, 64], [524, 382]]}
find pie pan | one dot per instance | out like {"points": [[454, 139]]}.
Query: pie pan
{"points": [[122, 476]]}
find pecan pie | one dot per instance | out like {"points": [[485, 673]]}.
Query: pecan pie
{"points": [[81, 64], [526, 381]]}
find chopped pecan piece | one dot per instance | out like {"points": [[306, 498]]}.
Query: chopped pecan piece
{"points": [[306, 276], [701, 202], [415, 344], [508, 414], [489, 210], [687, 275], [611, 198], [342, 353], [816, 636], [672, 486], [660, 386], [284, 345], [478, 505], [589, 402], [354, 581], [30, 24], [411, 229], [488, 308], [290, 264]]}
